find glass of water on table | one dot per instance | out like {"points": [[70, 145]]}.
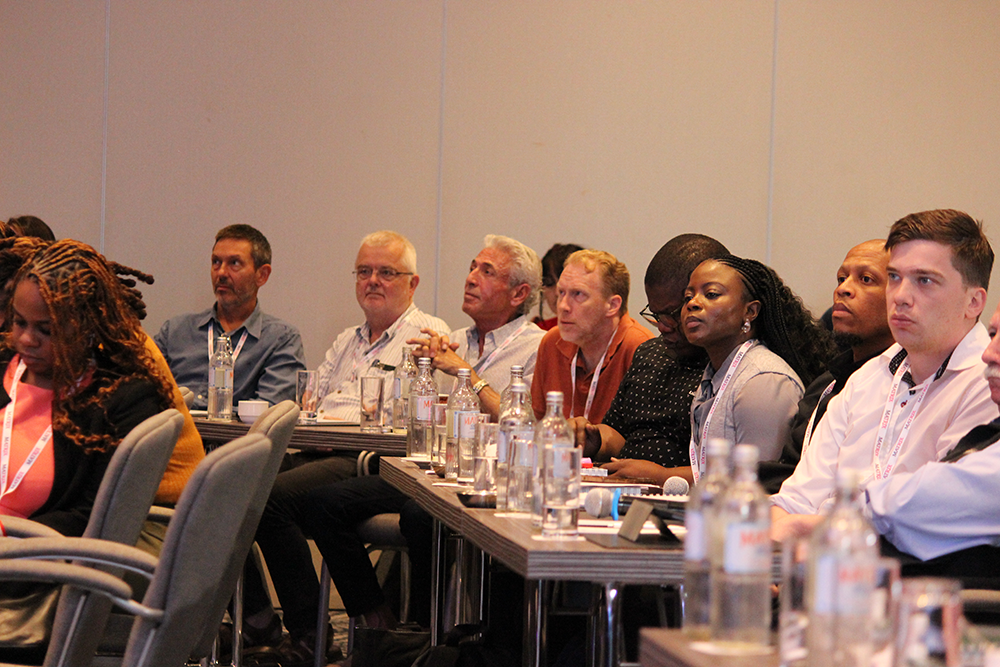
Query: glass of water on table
{"points": [[484, 462]]}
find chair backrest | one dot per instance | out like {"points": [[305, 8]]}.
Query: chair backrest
{"points": [[201, 542], [132, 478], [277, 423], [123, 501]]}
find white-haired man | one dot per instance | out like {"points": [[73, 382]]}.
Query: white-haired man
{"points": [[503, 281], [386, 278]]}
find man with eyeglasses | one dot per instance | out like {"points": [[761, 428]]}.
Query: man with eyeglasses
{"points": [[266, 350], [647, 428], [386, 278]]}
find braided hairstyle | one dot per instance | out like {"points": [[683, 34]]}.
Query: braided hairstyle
{"points": [[96, 334], [783, 323]]}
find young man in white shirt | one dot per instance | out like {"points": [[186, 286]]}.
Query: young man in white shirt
{"points": [[912, 403]]}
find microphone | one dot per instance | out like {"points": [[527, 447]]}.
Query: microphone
{"points": [[602, 502], [676, 486]]}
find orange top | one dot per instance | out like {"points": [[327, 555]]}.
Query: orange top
{"points": [[32, 415], [189, 449], [552, 371]]}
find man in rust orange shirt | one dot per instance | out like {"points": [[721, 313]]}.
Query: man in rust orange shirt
{"points": [[588, 353]]}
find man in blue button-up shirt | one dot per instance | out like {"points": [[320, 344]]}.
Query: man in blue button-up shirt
{"points": [[266, 351]]}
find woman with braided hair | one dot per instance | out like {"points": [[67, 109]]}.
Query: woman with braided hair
{"points": [[763, 346], [77, 373]]}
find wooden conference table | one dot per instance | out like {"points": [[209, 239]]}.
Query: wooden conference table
{"points": [[514, 543], [316, 437]]}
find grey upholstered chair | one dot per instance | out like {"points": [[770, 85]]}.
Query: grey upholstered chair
{"points": [[277, 423], [123, 499], [185, 592]]}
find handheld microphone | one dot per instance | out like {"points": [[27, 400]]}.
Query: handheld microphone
{"points": [[600, 502]]}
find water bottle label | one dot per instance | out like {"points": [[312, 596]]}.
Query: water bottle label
{"points": [[466, 422], [747, 548], [562, 461], [423, 407], [843, 585], [523, 450], [503, 437], [221, 378], [694, 540]]}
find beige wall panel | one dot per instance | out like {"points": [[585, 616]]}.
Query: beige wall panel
{"points": [[614, 125], [883, 109], [51, 84], [316, 122]]}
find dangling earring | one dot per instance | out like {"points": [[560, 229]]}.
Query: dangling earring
{"points": [[746, 327]]}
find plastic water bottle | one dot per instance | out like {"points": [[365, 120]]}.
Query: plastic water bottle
{"points": [[220, 381], [516, 375], [423, 396], [552, 431], [843, 555], [463, 413], [406, 372], [703, 538], [741, 582], [517, 422]]}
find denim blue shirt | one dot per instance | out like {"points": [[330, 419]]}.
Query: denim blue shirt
{"points": [[265, 368]]}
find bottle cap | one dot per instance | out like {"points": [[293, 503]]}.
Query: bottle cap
{"points": [[553, 396], [746, 455], [848, 479], [718, 447], [464, 372], [424, 362], [519, 388]]}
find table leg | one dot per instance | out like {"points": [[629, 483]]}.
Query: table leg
{"points": [[437, 562], [607, 640], [536, 604]]}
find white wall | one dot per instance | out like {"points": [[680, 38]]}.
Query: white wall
{"points": [[790, 130]]}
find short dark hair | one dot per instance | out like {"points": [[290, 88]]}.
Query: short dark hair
{"points": [[674, 262], [971, 254], [260, 249], [554, 260], [29, 225]]}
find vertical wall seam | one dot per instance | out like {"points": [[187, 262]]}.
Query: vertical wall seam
{"points": [[104, 128], [770, 152], [440, 165]]}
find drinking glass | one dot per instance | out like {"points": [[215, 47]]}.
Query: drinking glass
{"points": [[885, 608], [440, 412], [371, 404], [484, 462], [793, 618], [561, 504], [306, 383], [928, 630]]}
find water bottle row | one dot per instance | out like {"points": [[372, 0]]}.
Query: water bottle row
{"points": [[534, 469], [827, 595]]}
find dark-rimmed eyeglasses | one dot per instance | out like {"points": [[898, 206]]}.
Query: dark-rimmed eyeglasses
{"points": [[385, 274], [672, 316]]}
